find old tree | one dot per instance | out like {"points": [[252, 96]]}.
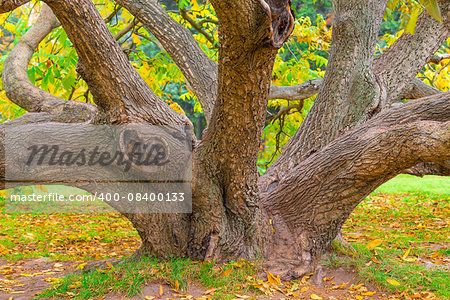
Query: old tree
{"points": [[353, 140]]}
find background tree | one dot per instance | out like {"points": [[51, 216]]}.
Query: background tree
{"points": [[351, 141]]}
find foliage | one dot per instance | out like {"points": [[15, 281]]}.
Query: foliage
{"points": [[304, 57], [308, 51]]}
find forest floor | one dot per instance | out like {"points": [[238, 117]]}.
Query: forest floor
{"points": [[400, 250]]}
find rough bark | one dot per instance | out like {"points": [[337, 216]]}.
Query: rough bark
{"points": [[396, 67], [198, 69], [9, 5], [430, 168], [249, 34], [310, 204], [301, 91], [117, 88]]}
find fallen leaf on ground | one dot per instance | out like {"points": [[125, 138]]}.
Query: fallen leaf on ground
{"points": [[242, 296], [273, 280], [81, 266], [392, 281], [368, 293], [226, 273], [210, 291], [375, 243], [406, 253]]}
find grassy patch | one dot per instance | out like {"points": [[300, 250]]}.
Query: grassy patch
{"points": [[385, 268], [407, 214], [413, 221], [431, 185], [65, 236], [128, 278]]}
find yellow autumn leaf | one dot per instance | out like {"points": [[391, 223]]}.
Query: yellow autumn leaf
{"points": [[110, 265], [161, 291], [304, 289], [149, 297], [406, 253], [316, 297], [3, 250], [10, 27], [358, 297], [42, 188], [273, 280], [375, 243], [393, 281], [368, 293], [81, 266], [52, 279], [411, 27], [210, 291], [242, 296]]}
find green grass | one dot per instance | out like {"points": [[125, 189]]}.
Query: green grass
{"points": [[405, 213], [128, 278], [411, 277], [437, 185]]}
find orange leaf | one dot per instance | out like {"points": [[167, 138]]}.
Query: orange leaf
{"points": [[227, 272], [273, 280], [375, 243]]}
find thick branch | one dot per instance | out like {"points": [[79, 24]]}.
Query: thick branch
{"points": [[18, 86], [318, 195], [296, 92], [198, 69], [349, 92], [439, 57], [433, 168], [9, 5], [417, 89], [117, 88], [396, 67], [66, 116]]}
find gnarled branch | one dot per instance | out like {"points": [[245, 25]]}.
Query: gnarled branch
{"points": [[296, 92], [198, 69], [398, 65], [351, 167], [18, 86], [117, 88]]}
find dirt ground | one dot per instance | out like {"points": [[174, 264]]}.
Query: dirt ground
{"points": [[24, 279]]}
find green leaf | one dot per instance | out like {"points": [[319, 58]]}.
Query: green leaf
{"points": [[432, 8], [411, 27]]}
